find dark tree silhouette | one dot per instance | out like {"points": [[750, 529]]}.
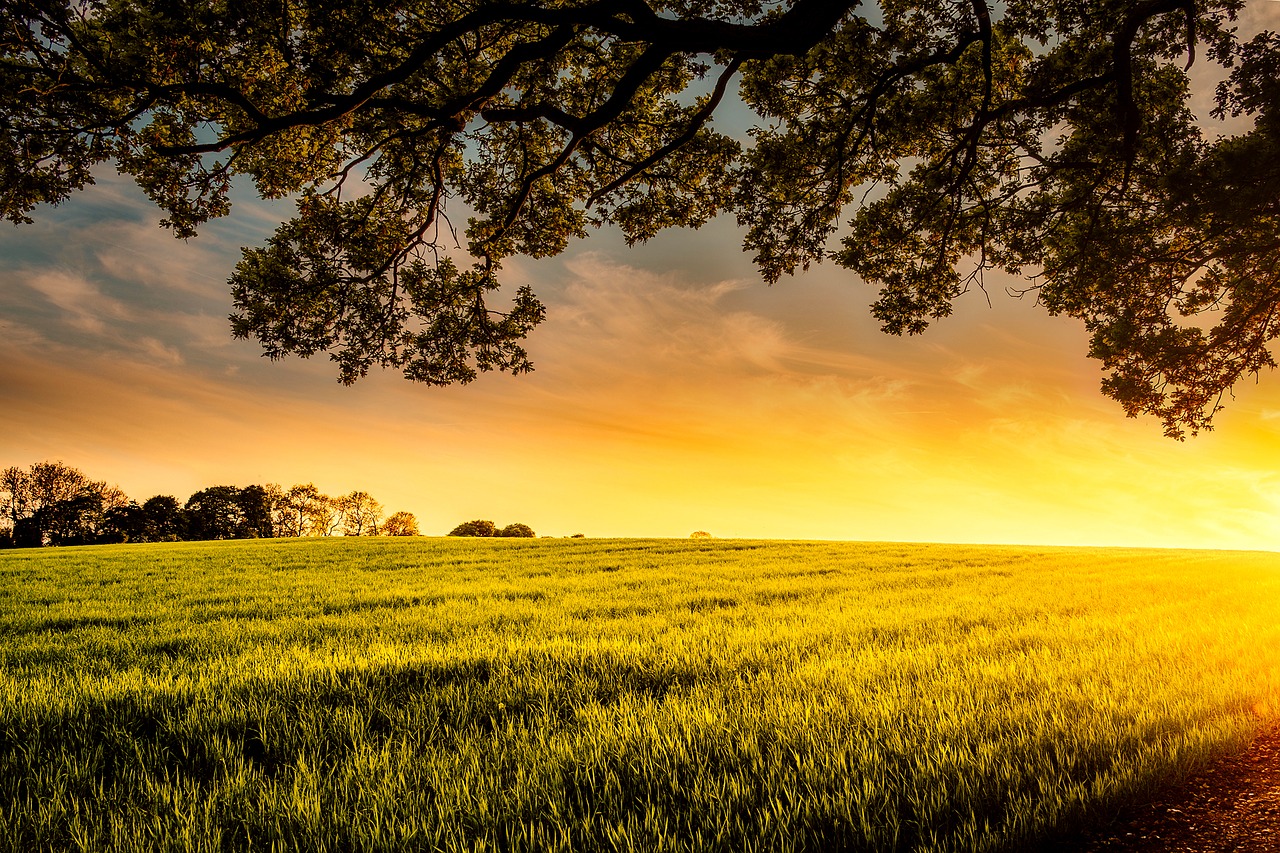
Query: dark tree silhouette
{"points": [[25, 492], [1051, 137], [214, 513], [75, 521], [126, 523], [255, 508], [165, 519], [520, 531], [475, 528], [158, 519], [56, 504]]}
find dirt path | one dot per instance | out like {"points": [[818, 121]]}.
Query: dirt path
{"points": [[1234, 807]]}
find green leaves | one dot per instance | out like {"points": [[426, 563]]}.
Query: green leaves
{"points": [[459, 334], [918, 143], [323, 283]]}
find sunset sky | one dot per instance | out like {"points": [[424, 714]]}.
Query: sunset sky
{"points": [[673, 392]]}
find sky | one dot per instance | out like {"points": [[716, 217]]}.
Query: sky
{"points": [[673, 392]]}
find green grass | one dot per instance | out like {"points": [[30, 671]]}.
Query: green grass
{"points": [[614, 694]]}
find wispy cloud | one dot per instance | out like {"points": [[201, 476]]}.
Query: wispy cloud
{"points": [[81, 304]]}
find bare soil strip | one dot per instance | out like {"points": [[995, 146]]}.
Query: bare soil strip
{"points": [[1234, 806]]}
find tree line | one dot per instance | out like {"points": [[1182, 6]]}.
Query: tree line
{"points": [[50, 503]]}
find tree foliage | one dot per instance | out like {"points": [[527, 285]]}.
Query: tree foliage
{"points": [[516, 531], [55, 504], [303, 510], [51, 503], [1048, 137], [256, 506], [361, 514], [229, 512], [75, 521], [214, 513], [164, 519], [475, 528], [400, 524], [158, 519]]}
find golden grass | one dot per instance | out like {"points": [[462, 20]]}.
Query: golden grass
{"points": [[614, 694]]}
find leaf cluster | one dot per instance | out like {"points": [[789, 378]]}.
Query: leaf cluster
{"points": [[918, 143]]}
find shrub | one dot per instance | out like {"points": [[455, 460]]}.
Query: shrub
{"points": [[517, 530], [699, 534], [474, 528]]}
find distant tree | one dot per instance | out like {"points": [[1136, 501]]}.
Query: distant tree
{"points": [[303, 510], [286, 519], [165, 519], [474, 528], [214, 513], [127, 523], [280, 511], [328, 516], [699, 534], [53, 502], [518, 531], [255, 509], [25, 492], [400, 524], [158, 519], [113, 497], [360, 514], [113, 500], [46, 483], [75, 521], [14, 494], [56, 481], [578, 536]]}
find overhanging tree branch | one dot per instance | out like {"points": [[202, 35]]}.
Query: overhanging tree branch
{"points": [[1052, 137]]}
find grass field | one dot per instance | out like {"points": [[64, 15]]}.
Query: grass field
{"points": [[637, 695]]}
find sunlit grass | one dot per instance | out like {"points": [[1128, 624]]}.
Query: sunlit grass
{"points": [[613, 694]]}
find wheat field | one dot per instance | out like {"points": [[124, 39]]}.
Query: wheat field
{"points": [[629, 695]]}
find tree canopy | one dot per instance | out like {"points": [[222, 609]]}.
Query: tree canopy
{"points": [[918, 143], [55, 503], [400, 524], [478, 527]]}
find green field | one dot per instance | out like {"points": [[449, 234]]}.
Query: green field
{"points": [[641, 695]]}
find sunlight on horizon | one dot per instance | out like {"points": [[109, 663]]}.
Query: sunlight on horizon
{"points": [[662, 405], [673, 392]]}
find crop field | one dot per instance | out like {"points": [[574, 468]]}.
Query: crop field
{"points": [[644, 695]]}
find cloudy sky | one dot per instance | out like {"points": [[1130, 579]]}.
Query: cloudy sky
{"points": [[673, 392]]}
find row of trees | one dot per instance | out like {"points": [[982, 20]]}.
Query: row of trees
{"points": [[51, 503]]}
